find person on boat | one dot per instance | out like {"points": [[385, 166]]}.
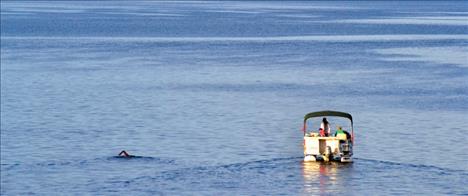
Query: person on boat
{"points": [[325, 126], [342, 133], [339, 130]]}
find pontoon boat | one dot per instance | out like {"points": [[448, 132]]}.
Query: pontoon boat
{"points": [[328, 148]]}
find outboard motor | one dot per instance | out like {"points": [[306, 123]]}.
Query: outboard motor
{"points": [[346, 148]]}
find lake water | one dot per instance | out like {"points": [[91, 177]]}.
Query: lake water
{"points": [[212, 95]]}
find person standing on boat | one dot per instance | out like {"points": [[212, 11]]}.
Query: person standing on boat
{"points": [[325, 126], [342, 133]]}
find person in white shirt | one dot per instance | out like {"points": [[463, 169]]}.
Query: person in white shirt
{"points": [[325, 126]]}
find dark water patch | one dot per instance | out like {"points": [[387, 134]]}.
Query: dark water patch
{"points": [[132, 157], [9, 166], [142, 159]]}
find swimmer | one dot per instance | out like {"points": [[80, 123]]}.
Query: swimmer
{"points": [[125, 154]]}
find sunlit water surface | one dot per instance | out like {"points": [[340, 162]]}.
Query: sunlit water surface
{"points": [[211, 95]]}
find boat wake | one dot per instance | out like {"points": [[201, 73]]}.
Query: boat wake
{"points": [[439, 170], [87, 162]]}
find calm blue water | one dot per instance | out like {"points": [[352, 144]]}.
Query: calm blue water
{"points": [[212, 96]]}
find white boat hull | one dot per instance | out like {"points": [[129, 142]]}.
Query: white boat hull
{"points": [[327, 149]]}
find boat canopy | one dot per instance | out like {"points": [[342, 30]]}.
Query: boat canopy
{"points": [[328, 113]]}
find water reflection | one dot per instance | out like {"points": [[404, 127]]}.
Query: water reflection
{"points": [[324, 177]]}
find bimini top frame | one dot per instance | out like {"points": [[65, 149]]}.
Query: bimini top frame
{"points": [[329, 113]]}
